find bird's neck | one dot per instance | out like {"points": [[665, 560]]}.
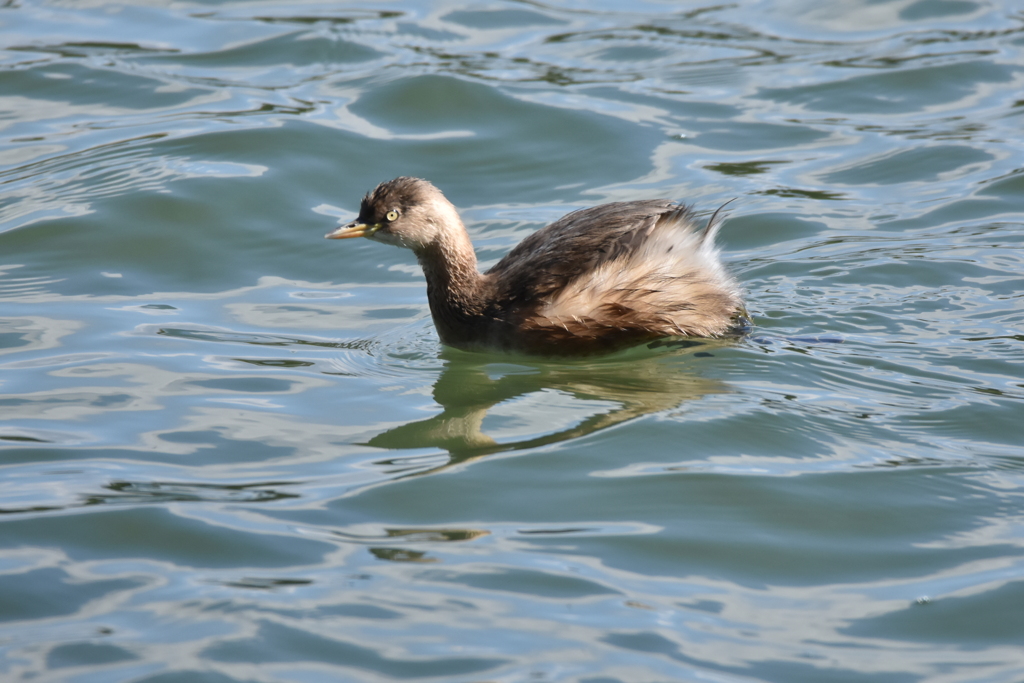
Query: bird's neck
{"points": [[455, 288]]}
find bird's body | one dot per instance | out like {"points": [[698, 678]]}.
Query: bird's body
{"points": [[596, 280]]}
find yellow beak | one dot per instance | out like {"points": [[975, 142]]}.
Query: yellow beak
{"points": [[353, 229]]}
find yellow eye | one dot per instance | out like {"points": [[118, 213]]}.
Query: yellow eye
{"points": [[392, 215]]}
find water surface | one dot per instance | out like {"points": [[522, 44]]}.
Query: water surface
{"points": [[234, 451]]}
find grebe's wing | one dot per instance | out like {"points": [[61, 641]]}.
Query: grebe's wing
{"points": [[580, 243]]}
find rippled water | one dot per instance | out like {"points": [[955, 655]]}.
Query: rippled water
{"points": [[234, 451]]}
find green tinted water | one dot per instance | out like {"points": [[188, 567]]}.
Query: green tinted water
{"points": [[233, 451]]}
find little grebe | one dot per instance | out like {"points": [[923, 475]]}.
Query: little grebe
{"points": [[595, 280]]}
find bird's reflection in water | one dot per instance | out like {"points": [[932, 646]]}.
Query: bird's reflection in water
{"points": [[560, 400]]}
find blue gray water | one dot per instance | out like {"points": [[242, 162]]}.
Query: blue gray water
{"points": [[233, 451]]}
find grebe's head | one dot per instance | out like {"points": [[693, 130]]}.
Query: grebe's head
{"points": [[405, 212]]}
